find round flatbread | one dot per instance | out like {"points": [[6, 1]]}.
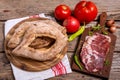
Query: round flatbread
{"points": [[34, 42]]}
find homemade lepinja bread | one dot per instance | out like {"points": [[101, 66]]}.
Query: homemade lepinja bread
{"points": [[38, 40]]}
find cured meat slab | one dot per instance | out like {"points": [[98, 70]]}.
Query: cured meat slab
{"points": [[94, 51], [104, 73]]}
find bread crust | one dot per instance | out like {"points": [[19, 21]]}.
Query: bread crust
{"points": [[28, 32]]}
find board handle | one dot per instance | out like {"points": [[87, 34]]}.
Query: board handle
{"points": [[103, 18]]}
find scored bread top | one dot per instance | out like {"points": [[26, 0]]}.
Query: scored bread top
{"points": [[39, 40]]}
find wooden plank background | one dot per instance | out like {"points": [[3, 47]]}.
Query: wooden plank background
{"points": [[10, 9]]}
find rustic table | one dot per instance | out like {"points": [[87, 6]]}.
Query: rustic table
{"points": [[10, 9]]}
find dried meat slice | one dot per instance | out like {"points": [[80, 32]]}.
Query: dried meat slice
{"points": [[94, 51]]}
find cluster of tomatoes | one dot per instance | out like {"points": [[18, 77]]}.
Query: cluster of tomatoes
{"points": [[84, 12]]}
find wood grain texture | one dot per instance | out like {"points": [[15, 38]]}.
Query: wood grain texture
{"points": [[1, 36], [19, 8], [5, 68], [117, 46], [10, 9]]}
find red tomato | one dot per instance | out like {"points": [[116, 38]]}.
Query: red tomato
{"points": [[62, 12], [85, 11], [72, 24]]}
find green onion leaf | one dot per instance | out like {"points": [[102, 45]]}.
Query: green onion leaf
{"points": [[104, 32], [107, 62]]}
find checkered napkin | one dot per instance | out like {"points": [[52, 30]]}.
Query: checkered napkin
{"points": [[63, 67]]}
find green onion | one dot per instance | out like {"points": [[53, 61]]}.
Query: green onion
{"points": [[96, 27], [104, 32], [90, 33], [107, 62]]}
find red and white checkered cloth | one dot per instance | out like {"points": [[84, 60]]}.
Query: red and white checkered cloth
{"points": [[63, 67]]}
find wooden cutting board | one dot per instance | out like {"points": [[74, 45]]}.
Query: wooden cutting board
{"points": [[29, 64], [104, 73], [106, 70]]}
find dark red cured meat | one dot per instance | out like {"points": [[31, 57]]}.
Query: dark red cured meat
{"points": [[94, 51]]}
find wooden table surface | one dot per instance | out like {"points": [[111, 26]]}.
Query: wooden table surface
{"points": [[10, 9]]}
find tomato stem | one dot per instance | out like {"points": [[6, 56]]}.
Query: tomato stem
{"points": [[84, 24]]}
